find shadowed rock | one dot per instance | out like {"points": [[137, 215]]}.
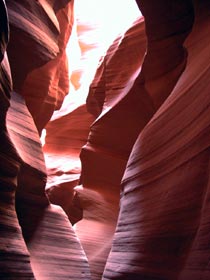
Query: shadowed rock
{"points": [[37, 239]]}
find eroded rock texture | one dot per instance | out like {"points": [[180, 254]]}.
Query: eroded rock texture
{"points": [[164, 63], [124, 99], [162, 230], [130, 168], [14, 256], [112, 135], [98, 198], [45, 29], [37, 239], [54, 249]]}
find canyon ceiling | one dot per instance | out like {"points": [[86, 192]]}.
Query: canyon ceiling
{"points": [[105, 140]]}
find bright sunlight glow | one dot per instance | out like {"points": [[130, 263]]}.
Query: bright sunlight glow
{"points": [[97, 24]]}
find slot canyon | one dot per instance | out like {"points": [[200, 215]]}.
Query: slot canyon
{"points": [[105, 140]]}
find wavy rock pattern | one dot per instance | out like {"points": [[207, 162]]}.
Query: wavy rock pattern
{"points": [[108, 146], [14, 256], [37, 239], [45, 88], [167, 25], [162, 230], [143, 193], [113, 78], [127, 98], [63, 164], [40, 26], [37, 30], [55, 252]]}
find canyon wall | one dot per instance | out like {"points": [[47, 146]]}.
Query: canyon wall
{"points": [[162, 230], [37, 239], [119, 187]]}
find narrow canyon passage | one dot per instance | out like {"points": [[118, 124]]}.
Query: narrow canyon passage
{"points": [[97, 202], [104, 149]]}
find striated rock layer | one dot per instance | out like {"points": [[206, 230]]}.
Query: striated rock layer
{"points": [[162, 230], [14, 256], [62, 160], [55, 252], [37, 239], [104, 157], [143, 141], [42, 30], [72, 126], [134, 79]]}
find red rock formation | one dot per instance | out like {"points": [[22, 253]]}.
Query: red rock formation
{"points": [[111, 138], [63, 164], [144, 135], [44, 88], [63, 161], [126, 109], [35, 227], [55, 252], [167, 25], [116, 96], [50, 82], [29, 21], [162, 230], [14, 256]]}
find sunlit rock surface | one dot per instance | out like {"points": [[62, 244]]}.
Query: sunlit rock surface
{"points": [[45, 87], [131, 138], [55, 252], [31, 28], [62, 151], [46, 28], [111, 138], [112, 159], [112, 93], [162, 230], [37, 239], [124, 99]]}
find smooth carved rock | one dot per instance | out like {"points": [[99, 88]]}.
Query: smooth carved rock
{"points": [[45, 88], [113, 78], [33, 38], [72, 131], [47, 232], [39, 34], [167, 26], [114, 132], [163, 229], [14, 256], [63, 163], [37, 239], [125, 111], [152, 109]]}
